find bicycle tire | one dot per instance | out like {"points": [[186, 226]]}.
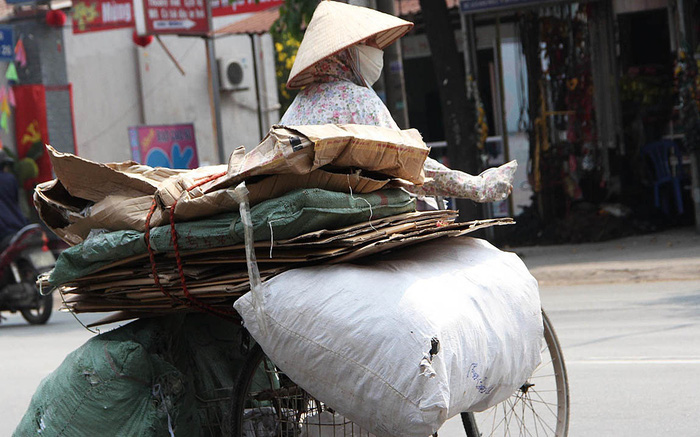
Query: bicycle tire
{"points": [[550, 419]]}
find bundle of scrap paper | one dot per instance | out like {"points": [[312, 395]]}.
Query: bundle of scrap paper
{"points": [[153, 240]]}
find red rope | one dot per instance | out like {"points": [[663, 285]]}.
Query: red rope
{"points": [[152, 255], [181, 271], [191, 300]]}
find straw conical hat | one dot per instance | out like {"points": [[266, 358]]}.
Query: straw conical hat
{"points": [[336, 26]]}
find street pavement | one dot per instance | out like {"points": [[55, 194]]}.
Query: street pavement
{"points": [[627, 313]]}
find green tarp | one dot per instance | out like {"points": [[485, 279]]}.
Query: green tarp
{"points": [[293, 214], [144, 379]]}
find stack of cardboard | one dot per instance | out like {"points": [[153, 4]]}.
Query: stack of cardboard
{"points": [[87, 196]]}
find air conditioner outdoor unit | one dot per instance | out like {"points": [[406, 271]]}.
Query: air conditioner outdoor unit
{"points": [[234, 74]]}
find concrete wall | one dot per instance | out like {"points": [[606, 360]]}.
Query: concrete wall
{"points": [[102, 66], [117, 85]]}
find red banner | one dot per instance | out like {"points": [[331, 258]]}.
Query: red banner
{"points": [[95, 15], [31, 128], [220, 8]]}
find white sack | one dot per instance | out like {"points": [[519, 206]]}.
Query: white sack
{"points": [[358, 336]]}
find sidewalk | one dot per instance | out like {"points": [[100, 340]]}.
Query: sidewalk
{"points": [[664, 256]]}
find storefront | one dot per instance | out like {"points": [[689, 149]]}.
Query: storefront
{"points": [[573, 91]]}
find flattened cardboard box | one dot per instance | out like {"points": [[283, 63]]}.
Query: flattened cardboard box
{"points": [[302, 149], [117, 212], [118, 196]]}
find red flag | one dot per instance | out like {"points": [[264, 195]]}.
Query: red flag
{"points": [[31, 127]]}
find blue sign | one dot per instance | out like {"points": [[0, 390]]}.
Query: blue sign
{"points": [[7, 44], [490, 5]]}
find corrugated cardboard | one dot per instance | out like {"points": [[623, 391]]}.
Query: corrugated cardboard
{"points": [[93, 181], [118, 196], [302, 149], [118, 212], [400, 154]]}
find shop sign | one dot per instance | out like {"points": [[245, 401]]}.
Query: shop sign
{"points": [[171, 146], [177, 17], [96, 15], [224, 7], [7, 44], [470, 6]]}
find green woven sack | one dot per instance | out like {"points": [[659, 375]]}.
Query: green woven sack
{"points": [[295, 213], [147, 378]]}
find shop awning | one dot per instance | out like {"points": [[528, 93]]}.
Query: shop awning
{"points": [[256, 24]]}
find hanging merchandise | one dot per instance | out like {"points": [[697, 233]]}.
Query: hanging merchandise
{"points": [[11, 73], [3, 122], [11, 97], [20, 53], [56, 18], [687, 85]]}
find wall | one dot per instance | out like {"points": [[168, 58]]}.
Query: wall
{"points": [[102, 66], [117, 85]]}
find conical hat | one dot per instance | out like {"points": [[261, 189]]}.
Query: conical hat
{"points": [[336, 26]]}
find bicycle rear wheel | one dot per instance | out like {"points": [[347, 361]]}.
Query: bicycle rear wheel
{"points": [[540, 407]]}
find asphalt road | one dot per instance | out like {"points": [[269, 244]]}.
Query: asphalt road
{"points": [[631, 349]]}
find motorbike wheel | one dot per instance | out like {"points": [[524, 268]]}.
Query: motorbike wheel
{"points": [[41, 312]]}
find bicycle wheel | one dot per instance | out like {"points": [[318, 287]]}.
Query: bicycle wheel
{"points": [[266, 403], [539, 408]]}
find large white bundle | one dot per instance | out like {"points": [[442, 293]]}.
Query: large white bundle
{"points": [[359, 337]]}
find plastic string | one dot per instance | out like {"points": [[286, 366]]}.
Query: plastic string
{"points": [[157, 392], [75, 316], [371, 213], [272, 235], [240, 195], [40, 279]]}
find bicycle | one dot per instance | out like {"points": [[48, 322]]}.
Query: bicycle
{"points": [[266, 403]]}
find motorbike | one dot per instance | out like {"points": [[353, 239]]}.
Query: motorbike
{"points": [[26, 256]]}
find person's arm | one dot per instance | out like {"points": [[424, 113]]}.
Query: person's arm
{"points": [[491, 185]]}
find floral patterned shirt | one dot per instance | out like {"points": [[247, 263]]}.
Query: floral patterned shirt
{"points": [[338, 97]]}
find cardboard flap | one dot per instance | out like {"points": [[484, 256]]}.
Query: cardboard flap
{"points": [[94, 181], [392, 152]]}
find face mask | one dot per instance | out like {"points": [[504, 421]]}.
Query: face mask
{"points": [[370, 61]]}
